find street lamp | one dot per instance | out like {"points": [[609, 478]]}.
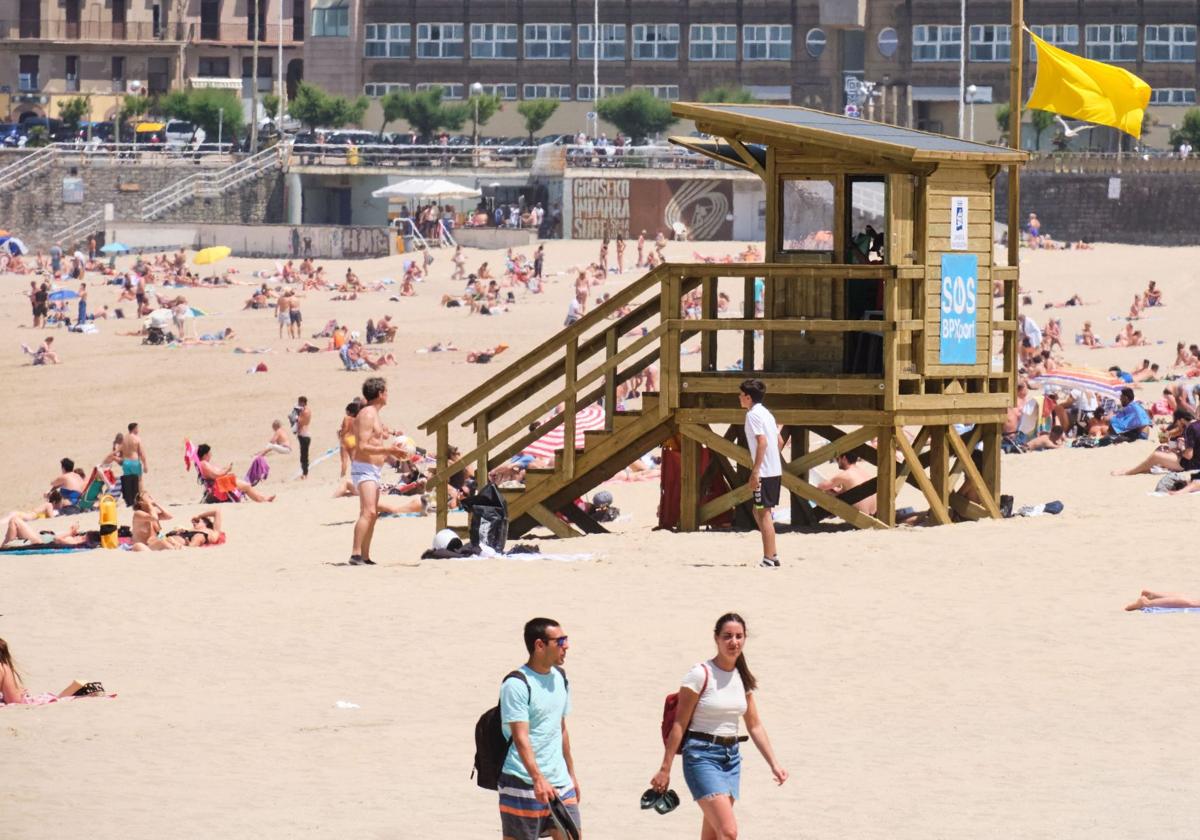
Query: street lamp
{"points": [[971, 91], [476, 92]]}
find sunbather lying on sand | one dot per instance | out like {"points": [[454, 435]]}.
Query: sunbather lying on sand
{"points": [[1155, 599], [21, 532]]}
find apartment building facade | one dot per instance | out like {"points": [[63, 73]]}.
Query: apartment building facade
{"points": [[792, 51], [52, 50]]}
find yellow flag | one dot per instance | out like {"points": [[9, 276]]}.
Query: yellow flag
{"points": [[1089, 90]]}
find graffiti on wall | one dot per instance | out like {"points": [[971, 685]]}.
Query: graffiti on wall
{"points": [[610, 206], [349, 243]]}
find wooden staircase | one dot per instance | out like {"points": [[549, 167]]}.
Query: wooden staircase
{"points": [[604, 454]]}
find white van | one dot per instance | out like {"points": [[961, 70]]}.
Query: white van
{"points": [[182, 134]]}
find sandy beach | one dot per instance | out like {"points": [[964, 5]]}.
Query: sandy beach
{"points": [[972, 681]]}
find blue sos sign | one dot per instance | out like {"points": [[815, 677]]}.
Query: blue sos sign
{"points": [[959, 305]]}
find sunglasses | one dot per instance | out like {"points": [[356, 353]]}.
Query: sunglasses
{"points": [[561, 641]]}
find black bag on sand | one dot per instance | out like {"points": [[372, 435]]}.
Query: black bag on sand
{"points": [[491, 747], [489, 518]]}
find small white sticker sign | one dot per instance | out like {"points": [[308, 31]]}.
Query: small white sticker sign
{"points": [[1114, 189], [958, 223]]}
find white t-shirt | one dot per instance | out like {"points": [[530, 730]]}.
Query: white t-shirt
{"points": [[723, 702], [1029, 416], [760, 422]]}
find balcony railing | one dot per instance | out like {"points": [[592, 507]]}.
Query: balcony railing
{"points": [[242, 32], [93, 30]]}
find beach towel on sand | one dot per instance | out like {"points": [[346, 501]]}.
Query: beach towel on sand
{"points": [[1170, 609]]}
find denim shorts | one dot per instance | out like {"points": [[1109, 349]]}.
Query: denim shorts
{"points": [[711, 770]]}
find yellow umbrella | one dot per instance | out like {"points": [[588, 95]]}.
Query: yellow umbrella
{"points": [[211, 255], [150, 126]]}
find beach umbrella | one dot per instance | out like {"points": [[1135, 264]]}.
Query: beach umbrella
{"points": [[115, 248], [589, 419], [426, 188], [64, 294], [196, 312], [1099, 382], [16, 246], [211, 255]]}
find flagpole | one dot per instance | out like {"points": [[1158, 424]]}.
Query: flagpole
{"points": [[1015, 101]]}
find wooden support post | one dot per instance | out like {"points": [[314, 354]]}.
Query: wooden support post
{"points": [[992, 434], [546, 518], [481, 447], [939, 463], [689, 483], [939, 510], [891, 338], [708, 339], [748, 312], [443, 475], [885, 490], [568, 451], [802, 512], [610, 378]]}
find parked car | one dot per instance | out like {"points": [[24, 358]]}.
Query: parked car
{"points": [[182, 134]]}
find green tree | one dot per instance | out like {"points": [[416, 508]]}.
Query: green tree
{"points": [[1039, 121], [315, 108], [537, 112], [482, 108], [424, 111], [72, 112], [270, 103], [218, 112], [729, 94], [638, 114], [1003, 113]]}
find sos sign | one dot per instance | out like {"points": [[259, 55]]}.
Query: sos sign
{"points": [[959, 305]]}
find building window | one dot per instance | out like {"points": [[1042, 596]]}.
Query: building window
{"points": [[807, 215], [660, 91], [814, 42], [548, 40], [504, 91], [712, 43], [1062, 35], [562, 92], [210, 20], [1171, 43], [888, 42], [1109, 42], [27, 79], [584, 92], [656, 42], [72, 73], [1173, 96], [493, 40], [118, 71], [767, 43], [990, 42], [388, 40], [612, 41], [331, 21], [936, 43], [158, 75], [439, 40], [450, 90], [214, 68], [377, 90]]}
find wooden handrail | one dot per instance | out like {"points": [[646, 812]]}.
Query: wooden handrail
{"points": [[543, 350]]}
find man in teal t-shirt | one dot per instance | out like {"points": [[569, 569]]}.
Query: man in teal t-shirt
{"points": [[533, 713]]}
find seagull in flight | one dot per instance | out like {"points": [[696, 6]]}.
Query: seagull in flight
{"points": [[1069, 132]]}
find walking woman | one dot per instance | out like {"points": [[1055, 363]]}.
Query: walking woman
{"points": [[714, 694]]}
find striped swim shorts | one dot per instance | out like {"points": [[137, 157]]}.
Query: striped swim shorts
{"points": [[522, 816]]}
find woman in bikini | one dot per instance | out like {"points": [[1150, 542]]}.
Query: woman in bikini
{"points": [[205, 530]]}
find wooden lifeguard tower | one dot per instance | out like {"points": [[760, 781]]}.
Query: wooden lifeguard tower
{"points": [[882, 319]]}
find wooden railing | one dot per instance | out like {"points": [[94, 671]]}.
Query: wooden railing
{"points": [[647, 321]]}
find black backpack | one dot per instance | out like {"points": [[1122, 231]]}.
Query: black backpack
{"points": [[491, 747], [489, 517]]}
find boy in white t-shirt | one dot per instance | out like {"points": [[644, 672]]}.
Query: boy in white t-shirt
{"points": [[762, 436]]}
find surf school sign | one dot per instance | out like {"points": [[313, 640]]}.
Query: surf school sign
{"points": [[960, 312]]}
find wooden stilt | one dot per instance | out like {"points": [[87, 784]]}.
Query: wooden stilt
{"points": [[885, 485], [547, 519], [936, 506], [689, 483], [442, 495], [939, 463], [984, 491]]}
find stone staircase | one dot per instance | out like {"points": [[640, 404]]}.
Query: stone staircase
{"points": [[211, 184]]}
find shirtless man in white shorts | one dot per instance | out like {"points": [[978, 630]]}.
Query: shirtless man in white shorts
{"points": [[371, 448]]}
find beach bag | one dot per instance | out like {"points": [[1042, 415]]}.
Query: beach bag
{"points": [[671, 705], [491, 747], [489, 518]]}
